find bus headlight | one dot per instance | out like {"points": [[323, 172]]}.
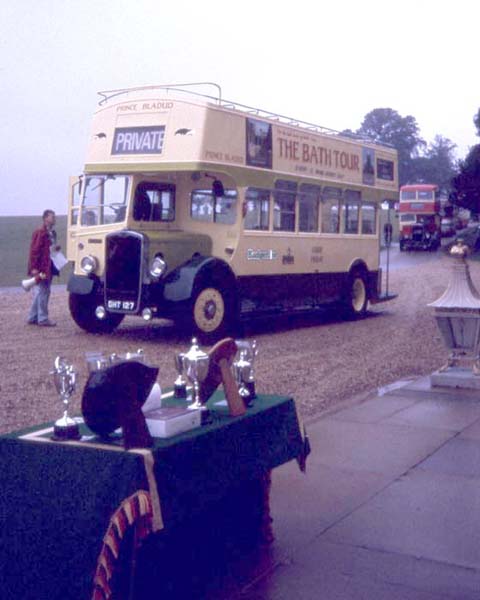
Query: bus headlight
{"points": [[89, 264], [158, 266]]}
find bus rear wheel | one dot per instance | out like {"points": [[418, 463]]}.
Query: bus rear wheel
{"points": [[82, 308], [356, 297], [211, 314]]}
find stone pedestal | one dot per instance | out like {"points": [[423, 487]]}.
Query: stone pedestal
{"points": [[455, 377]]}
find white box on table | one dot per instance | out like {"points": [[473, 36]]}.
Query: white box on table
{"points": [[171, 420]]}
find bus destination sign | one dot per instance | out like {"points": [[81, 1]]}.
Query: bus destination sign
{"points": [[138, 140]]}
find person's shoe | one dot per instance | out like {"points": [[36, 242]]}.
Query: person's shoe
{"points": [[47, 323], [34, 322]]}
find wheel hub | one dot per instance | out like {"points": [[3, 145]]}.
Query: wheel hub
{"points": [[210, 310]]}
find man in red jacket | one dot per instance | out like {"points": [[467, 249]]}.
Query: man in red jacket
{"points": [[41, 267]]}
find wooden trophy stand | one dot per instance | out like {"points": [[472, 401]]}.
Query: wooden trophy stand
{"points": [[219, 371]]}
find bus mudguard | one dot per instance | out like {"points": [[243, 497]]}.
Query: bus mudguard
{"points": [[79, 284], [180, 283]]}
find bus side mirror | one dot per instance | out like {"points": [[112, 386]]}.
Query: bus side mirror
{"points": [[217, 188], [387, 233]]}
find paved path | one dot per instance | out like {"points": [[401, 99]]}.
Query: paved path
{"points": [[389, 507]]}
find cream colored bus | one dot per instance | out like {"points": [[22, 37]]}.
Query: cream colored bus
{"points": [[207, 212]]}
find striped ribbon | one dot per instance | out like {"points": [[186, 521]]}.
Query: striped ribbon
{"points": [[135, 511]]}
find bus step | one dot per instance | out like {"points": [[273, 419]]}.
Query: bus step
{"points": [[383, 298]]}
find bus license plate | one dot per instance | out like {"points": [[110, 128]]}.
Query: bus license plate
{"points": [[128, 305]]}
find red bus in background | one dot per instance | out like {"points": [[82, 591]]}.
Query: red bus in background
{"points": [[419, 217]]}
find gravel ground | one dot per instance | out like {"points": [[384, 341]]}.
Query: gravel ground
{"points": [[320, 360]]}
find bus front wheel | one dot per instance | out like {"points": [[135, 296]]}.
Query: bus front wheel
{"points": [[82, 308], [356, 296], [211, 314]]}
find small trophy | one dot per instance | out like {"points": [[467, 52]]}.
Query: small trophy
{"points": [[195, 362], [250, 348], [64, 378], [96, 361], [243, 370], [138, 356], [180, 384]]}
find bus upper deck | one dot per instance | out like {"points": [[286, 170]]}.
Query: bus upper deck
{"points": [[153, 127]]}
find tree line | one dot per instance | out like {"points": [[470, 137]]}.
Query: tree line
{"points": [[419, 162]]}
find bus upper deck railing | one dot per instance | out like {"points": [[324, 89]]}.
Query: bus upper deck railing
{"points": [[108, 95]]}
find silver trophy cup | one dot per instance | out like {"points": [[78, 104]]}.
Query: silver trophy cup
{"points": [[250, 350], [195, 363], [243, 370], [180, 384], [65, 379]]}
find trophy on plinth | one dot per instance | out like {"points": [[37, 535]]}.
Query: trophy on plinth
{"points": [[180, 384], [65, 379], [250, 352], [195, 363]]}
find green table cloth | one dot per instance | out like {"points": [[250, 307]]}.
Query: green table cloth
{"points": [[57, 498]]}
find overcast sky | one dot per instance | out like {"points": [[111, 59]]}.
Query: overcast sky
{"points": [[325, 62]]}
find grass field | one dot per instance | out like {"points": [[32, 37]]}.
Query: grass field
{"points": [[15, 236]]}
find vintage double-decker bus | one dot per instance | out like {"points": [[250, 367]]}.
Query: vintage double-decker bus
{"points": [[419, 212], [204, 211]]}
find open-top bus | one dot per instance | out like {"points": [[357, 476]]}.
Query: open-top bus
{"points": [[205, 211], [419, 211]]}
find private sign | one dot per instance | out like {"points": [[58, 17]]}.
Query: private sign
{"points": [[138, 140]]}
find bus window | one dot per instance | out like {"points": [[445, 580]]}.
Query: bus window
{"points": [[258, 209], [408, 195], [202, 205], [330, 214], [206, 207], [163, 206], [154, 202], [226, 208], [90, 217], [142, 206], [369, 218], [105, 199], [284, 205], [308, 201], [76, 200], [428, 195], [74, 215], [331, 210], [351, 211]]}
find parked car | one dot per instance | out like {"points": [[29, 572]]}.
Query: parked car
{"points": [[447, 227], [469, 236]]}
